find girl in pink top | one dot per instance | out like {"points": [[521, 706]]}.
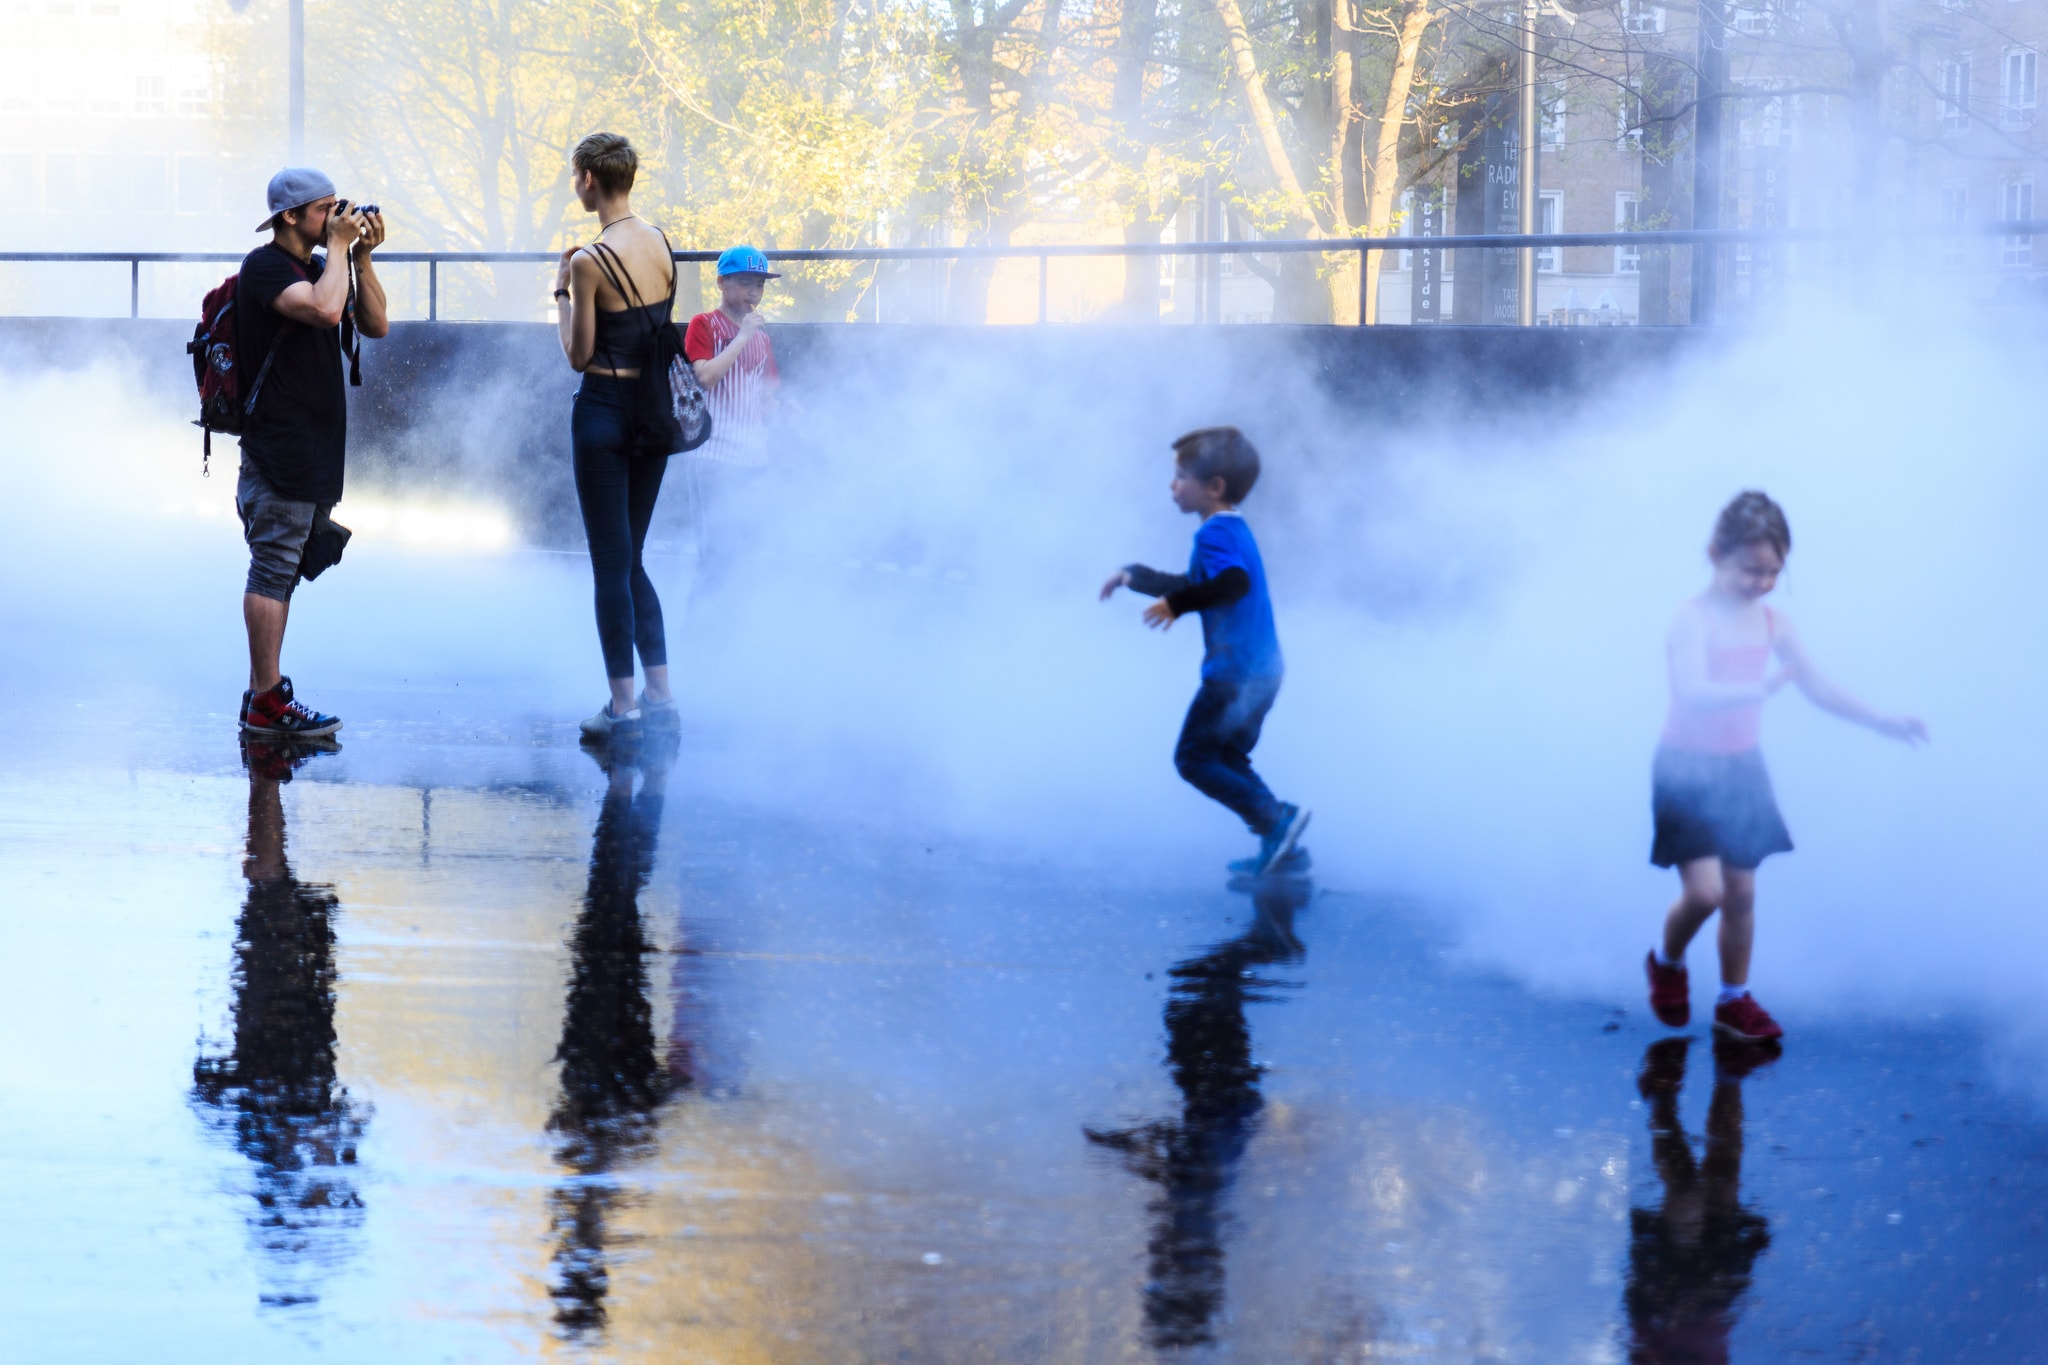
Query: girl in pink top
{"points": [[1716, 816]]}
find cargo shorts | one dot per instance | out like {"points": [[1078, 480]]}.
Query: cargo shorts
{"points": [[276, 529]]}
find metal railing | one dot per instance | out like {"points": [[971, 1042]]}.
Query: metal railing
{"points": [[1046, 254]]}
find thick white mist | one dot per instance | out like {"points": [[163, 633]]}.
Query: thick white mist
{"points": [[1472, 610]]}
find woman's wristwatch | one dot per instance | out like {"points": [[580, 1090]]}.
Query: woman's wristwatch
{"points": [[561, 293]]}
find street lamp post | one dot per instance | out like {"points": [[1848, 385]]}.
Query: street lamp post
{"points": [[1525, 174], [1707, 153], [296, 107], [295, 91]]}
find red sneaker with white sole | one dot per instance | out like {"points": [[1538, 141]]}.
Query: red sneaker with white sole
{"points": [[278, 712], [1743, 1018], [1670, 992]]}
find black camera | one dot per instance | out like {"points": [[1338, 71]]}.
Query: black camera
{"points": [[344, 206]]}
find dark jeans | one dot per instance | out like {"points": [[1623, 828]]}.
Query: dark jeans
{"points": [[1215, 749], [616, 486]]}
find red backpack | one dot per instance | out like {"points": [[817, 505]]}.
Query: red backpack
{"points": [[217, 370], [217, 364]]}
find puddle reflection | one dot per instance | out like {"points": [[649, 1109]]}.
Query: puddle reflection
{"points": [[1194, 1159], [1690, 1257], [612, 1080], [275, 1088]]}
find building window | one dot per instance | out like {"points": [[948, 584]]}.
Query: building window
{"points": [[1757, 17], [1955, 95], [104, 98], [1629, 117], [1628, 260], [1637, 17], [1955, 211], [1549, 220], [2017, 206], [2018, 104], [60, 182], [195, 184], [17, 182], [1552, 122], [149, 95]]}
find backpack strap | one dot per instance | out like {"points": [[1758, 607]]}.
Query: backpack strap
{"points": [[621, 279]]}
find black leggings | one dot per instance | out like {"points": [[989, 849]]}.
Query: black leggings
{"points": [[616, 486]]}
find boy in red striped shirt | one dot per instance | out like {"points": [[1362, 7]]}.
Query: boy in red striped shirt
{"points": [[734, 359], [735, 362]]}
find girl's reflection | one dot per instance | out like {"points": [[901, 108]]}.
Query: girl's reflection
{"points": [[276, 1089], [1194, 1159], [612, 1081], [1689, 1258]]}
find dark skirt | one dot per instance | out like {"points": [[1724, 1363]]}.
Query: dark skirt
{"points": [[1714, 806]]}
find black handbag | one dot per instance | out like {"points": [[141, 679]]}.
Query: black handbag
{"points": [[324, 545]]}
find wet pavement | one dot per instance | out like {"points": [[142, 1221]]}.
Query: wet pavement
{"points": [[458, 1045]]}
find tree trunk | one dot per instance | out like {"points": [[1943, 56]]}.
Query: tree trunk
{"points": [[1246, 64], [1143, 220], [1343, 279], [1383, 173]]}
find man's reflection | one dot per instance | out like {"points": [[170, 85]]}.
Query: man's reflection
{"points": [[276, 1089], [1690, 1257], [612, 1080], [1194, 1159]]}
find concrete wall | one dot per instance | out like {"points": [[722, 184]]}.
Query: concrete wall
{"points": [[469, 402]]}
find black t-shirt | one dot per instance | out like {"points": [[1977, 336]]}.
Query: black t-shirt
{"points": [[297, 432]]}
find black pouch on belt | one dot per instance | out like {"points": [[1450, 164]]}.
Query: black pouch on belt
{"points": [[324, 545]]}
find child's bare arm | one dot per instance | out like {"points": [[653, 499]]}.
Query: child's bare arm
{"points": [[709, 372], [1835, 699]]}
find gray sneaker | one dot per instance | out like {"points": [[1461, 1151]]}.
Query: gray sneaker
{"points": [[660, 715], [606, 728]]}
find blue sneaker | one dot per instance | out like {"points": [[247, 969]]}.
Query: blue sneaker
{"points": [[1297, 863], [1280, 840]]}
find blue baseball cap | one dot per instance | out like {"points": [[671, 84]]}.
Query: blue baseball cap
{"points": [[294, 187], [744, 260]]}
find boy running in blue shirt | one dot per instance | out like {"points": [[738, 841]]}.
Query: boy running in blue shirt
{"points": [[1214, 470]]}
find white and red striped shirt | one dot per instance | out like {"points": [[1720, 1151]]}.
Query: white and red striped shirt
{"points": [[739, 401]]}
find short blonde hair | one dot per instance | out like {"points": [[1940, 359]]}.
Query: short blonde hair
{"points": [[610, 159]]}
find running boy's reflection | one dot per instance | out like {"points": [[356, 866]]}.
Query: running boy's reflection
{"points": [[1194, 1160], [276, 1087], [612, 1081], [1690, 1258]]}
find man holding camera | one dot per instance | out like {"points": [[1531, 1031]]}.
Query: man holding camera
{"points": [[292, 306]]}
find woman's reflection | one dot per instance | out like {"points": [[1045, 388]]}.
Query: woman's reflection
{"points": [[1194, 1159], [276, 1088], [1690, 1257], [612, 1081]]}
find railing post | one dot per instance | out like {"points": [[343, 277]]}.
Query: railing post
{"points": [[135, 287], [1364, 261], [1042, 263], [433, 290]]}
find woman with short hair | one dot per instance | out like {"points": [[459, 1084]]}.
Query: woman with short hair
{"points": [[602, 293]]}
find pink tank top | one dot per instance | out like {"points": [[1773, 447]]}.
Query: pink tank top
{"points": [[1725, 729]]}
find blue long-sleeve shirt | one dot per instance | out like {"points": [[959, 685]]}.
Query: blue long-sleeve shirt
{"points": [[1226, 582]]}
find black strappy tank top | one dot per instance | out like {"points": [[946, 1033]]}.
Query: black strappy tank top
{"points": [[623, 337]]}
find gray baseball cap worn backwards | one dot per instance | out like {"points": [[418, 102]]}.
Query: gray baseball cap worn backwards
{"points": [[294, 187]]}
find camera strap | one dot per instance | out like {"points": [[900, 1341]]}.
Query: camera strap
{"points": [[351, 342]]}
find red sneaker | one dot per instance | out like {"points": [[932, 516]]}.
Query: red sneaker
{"points": [[1743, 1018], [278, 712], [1670, 991]]}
